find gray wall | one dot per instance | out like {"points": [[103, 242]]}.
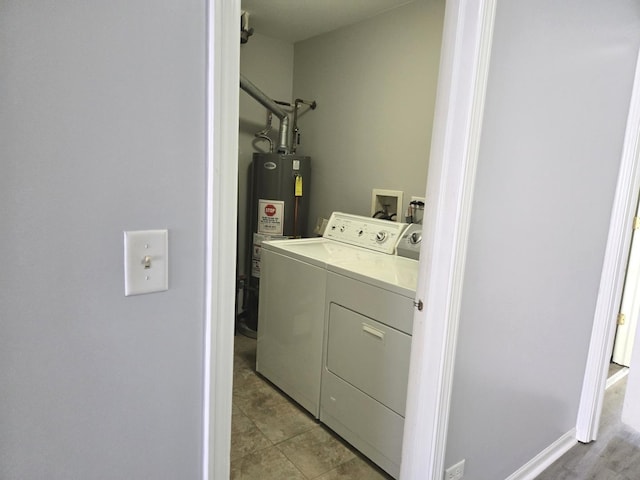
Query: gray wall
{"points": [[102, 111], [268, 64], [558, 95], [375, 87]]}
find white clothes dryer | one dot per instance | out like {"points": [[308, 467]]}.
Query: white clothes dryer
{"points": [[368, 326]]}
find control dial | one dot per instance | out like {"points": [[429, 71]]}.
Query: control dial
{"points": [[381, 236], [415, 238]]}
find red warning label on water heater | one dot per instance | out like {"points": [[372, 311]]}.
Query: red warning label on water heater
{"points": [[271, 216], [270, 210]]}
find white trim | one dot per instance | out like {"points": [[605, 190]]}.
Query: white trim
{"points": [[223, 67], [616, 377], [468, 33], [612, 280], [544, 459]]}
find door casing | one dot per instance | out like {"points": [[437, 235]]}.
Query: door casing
{"points": [[612, 278], [466, 48]]}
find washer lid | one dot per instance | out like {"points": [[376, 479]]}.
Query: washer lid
{"points": [[317, 251]]}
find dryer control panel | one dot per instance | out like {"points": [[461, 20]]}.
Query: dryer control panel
{"points": [[409, 244], [371, 233]]}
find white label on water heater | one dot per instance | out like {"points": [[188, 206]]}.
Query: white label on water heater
{"points": [[296, 164], [256, 252], [271, 216]]}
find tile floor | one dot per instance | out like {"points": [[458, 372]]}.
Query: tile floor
{"points": [[273, 438]]}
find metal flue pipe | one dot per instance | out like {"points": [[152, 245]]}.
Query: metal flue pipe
{"points": [[284, 140]]}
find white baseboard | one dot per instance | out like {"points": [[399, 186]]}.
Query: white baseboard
{"points": [[544, 459], [619, 375]]}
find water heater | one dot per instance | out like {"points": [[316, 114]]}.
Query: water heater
{"points": [[279, 209], [280, 194]]}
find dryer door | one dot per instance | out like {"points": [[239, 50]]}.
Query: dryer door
{"points": [[369, 355]]}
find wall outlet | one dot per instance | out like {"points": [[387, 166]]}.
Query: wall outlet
{"points": [[455, 472]]}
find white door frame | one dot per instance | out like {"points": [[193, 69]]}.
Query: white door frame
{"points": [[464, 66], [223, 87], [625, 332], [468, 32], [613, 271]]}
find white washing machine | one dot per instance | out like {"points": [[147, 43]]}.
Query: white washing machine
{"points": [[293, 286]]}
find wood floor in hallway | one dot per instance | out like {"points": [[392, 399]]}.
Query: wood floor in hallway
{"points": [[615, 455]]}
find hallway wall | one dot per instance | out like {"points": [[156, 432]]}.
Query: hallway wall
{"points": [[558, 95], [102, 114]]}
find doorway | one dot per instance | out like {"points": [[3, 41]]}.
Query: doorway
{"points": [[466, 50], [613, 274], [373, 81], [630, 303]]}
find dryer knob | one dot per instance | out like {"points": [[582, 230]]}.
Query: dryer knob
{"points": [[381, 236], [415, 238]]}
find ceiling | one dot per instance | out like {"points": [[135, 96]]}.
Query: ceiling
{"points": [[295, 20]]}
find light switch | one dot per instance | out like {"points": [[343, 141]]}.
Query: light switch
{"points": [[146, 261]]}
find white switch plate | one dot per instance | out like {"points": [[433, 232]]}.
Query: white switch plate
{"points": [[152, 245]]}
